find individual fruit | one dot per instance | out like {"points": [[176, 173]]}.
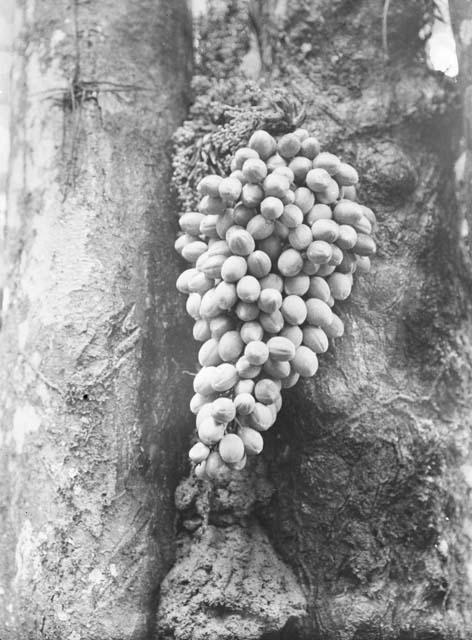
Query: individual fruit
{"points": [[231, 448]]}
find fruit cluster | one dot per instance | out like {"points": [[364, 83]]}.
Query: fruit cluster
{"points": [[272, 247]]}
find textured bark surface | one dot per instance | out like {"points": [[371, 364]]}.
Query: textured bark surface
{"points": [[363, 489], [92, 395]]}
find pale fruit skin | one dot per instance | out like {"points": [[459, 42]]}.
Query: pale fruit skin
{"points": [[240, 242], [364, 246], [300, 165], [301, 237], [260, 228], [231, 448], [247, 311], [327, 161], [340, 285], [229, 190], [294, 309], [297, 285], [226, 295], [197, 401], [276, 185], [347, 237], [199, 452], [318, 179], [310, 147], [272, 281], [263, 143], [292, 216], [304, 199], [257, 352], [293, 333], [259, 264], [244, 386], [318, 313], [336, 328], [316, 339], [254, 170], [330, 194], [251, 331], [266, 391], [347, 212], [233, 269], [288, 173], [290, 262], [305, 362], [242, 214], [244, 403], [318, 212], [193, 250], [319, 288], [276, 369], [208, 186], [203, 381], [230, 346], [203, 413], [252, 439], [184, 279], [271, 208], [270, 300], [248, 289], [215, 467], [190, 222], [208, 353], [289, 145], [262, 417], [281, 349], [319, 252], [220, 325], [346, 175], [327, 230], [225, 377], [246, 370], [192, 306], [275, 161], [243, 154], [210, 432], [272, 322], [201, 330]]}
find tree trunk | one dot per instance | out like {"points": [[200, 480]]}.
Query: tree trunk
{"points": [[354, 524], [93, 399]]}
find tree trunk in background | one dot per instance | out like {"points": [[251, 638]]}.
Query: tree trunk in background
{"points": [[353, 524], [92, 395], [461, 17]]}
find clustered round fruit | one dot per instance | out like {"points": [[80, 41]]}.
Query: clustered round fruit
{"points": [[272, 247]]}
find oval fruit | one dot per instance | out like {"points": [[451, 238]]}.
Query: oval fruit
{"points": [[223, 410], [231, 448], [280, 348], [252, 439], [305, 362], [294, 310]]}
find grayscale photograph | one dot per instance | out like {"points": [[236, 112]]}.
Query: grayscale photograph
{"points": [[235, 320]]}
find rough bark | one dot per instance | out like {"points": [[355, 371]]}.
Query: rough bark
{"points": [[92, 394], [461, 17], [363, 487]]}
